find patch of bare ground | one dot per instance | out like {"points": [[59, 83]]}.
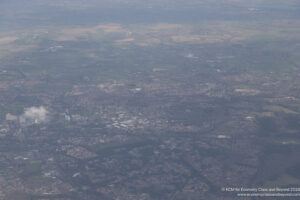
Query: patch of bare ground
{"points": [[250, 92], [73, 34], [6, 40]]}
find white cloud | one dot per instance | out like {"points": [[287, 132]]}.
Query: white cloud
{"points": [[34, 115]]}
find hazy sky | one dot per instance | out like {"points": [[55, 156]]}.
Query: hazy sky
{"points": [[66, 12]]}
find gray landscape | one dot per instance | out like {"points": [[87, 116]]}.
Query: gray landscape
{"points": [[149, 100]]}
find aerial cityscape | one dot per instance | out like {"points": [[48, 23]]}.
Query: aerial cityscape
{"points": [[148, 100]]}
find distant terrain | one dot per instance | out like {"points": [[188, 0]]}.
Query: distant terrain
{"points": [[142, 100]]}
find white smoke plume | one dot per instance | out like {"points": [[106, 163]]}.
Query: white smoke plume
{"points": [[34, 115]]}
